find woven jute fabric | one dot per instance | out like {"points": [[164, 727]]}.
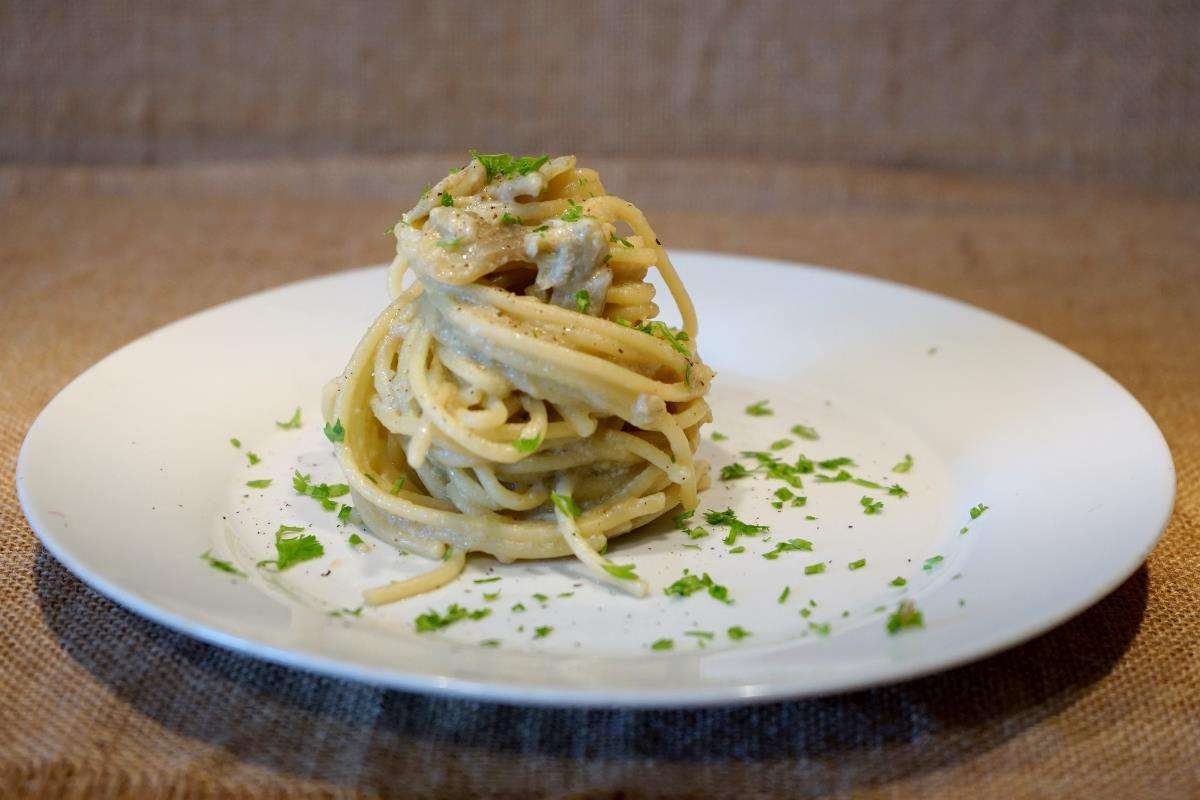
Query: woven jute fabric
{"points": [[1107, 88], [97, 702]]}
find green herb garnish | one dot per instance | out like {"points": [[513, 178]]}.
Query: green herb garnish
{"points": [[905, 465], [977, 511], [528, 445], [759, 409], [859, 564], [508, 219], [565, 504], [897, 582], [662, 644], [932, 562], [717, 436], [252, 457], [292, 423], [355, 540], [261, 483], [235, 442], [783, 596], [505, 165], [737, 632], [805, 432], [906, 615], [871, 506], [622, 571], [734, 471], [573, 213], [791, 545], [218, 564], [432, 620], [444, 199], [896, 490], [492, 579], [815, 569], [449, 244], [689, 584], [620, 240], [291, 550], [583, 301], [736, 527], [335, 432], [542, 631]]}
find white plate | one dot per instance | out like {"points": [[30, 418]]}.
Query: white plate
{"points": [[128, 475]]}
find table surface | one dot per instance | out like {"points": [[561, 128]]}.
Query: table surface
{"points": [[96, 702]]}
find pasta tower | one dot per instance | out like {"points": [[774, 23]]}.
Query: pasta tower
{"points": [[518, 398]]}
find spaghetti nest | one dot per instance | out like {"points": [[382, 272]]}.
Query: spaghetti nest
{"points": [[518, 397]]}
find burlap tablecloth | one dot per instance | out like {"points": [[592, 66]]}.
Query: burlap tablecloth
{"points": [[96, 702]]}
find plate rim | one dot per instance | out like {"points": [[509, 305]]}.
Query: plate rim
{"points": [[549, 696]]}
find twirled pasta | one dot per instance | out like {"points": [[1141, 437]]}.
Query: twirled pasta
{"points": [[518, 397]]}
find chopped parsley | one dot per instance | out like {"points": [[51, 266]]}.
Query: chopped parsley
{"points": [[662, 644], [343, 515], [866, 483], [932, 562], [432, 620], [252, 457], [689, 584], [897, 582], [542, 631], [541, 229], [291, 549], [791, 545], [871, 506], [622, 571], [446, 200], [566, 505], [815, 569], [518, 607], [836, 463], [660, 330], [896, 490], [235, 442], [506, 166], [347, 612], [399, 484], [717, 436], [620, 240], [528, 445], [859, 564], [261, 483], [449, 244], [508, 219], [734, 471], [335, 432], [906, 615], [218, 564], [736, 527], [541, 598], [492, 579], [573, 213], [292, 423], [700, 634], [759, 409], [840, 477], [733, 551], [781, 444], [490, 643], [977, 511], [490, 596], [323, 493], [783, 596], [820, 628], [355, 540], [805, 432], [905, 465], [681, 519], [737, 632], [583, 301]]}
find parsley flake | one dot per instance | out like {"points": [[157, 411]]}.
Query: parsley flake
{"points": [[871, 506], [508, 219], [505, 165], [737, 633], [977, 511], [527, 445], [859, 564], [717, 436], [690, 584], [805, 432], [791, 545], [566, 505], [896, 490], [622, 571], [542, 631], [292, 423], [815, 569], [252, 457], [783, 596], [444, 199], [261, 483], [906, 615], [781, 444], [662, 644], [932, 562], [759, 409], [219, 564], [897, 582], [573, 213], [235, 442], [905, 465], [335, 432], [583, 301], [291, 550]]}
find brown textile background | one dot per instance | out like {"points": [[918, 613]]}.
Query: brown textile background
{"points": [[1105, 90], [95, 702]]}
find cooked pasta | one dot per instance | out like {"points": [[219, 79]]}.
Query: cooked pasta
{"points": [[519, 398]]}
